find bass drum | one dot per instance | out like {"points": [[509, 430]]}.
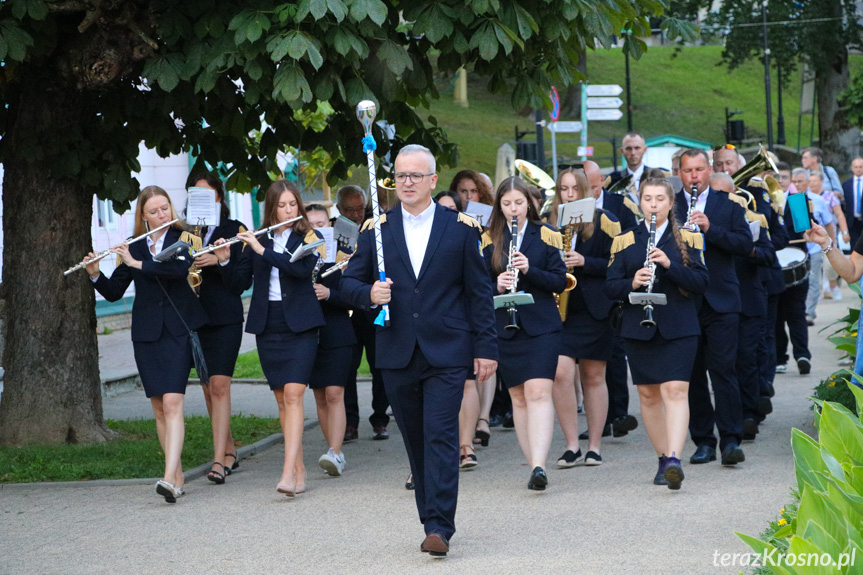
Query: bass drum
{"points": [[795, 265]]}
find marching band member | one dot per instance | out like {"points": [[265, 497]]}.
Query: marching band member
{"points": [[528, 357], [164, 311], [726, 233], [586, 335], [284, 315], [471, 187], [449, 200], [223, 334], [661, 355], [333, 359], [441, 325]]}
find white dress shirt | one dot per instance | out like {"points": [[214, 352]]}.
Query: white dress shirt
{"points": [[599, 201], [660, 229], [417, 232], [636, 175], [158, 243], [280, 240]]}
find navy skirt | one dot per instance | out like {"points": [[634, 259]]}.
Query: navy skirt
{"points": [[286, 356], [332, 367], [527, 357], [585, 337], [221, 345], [164, 364], [658, 360]]}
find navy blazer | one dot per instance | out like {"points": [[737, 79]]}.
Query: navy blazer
{"points": [[679, 317], [546, 276], [223, 305], [151, 310], [727, 236], [299, 303], [753, 296], [771, 272], [615, 203], [339, 330], [618, 174], [855, 225], [588, 295], [447, 310]]}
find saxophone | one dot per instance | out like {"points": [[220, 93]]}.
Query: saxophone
{"points": [[562, 298]]}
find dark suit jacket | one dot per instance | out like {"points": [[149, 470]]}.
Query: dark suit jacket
{"points": [[339, 330], [151, 311], [679, 317], [299, 303], [546, 276], [727, 236], [771, 272], [614, 203], [855, 225], [447, 310], [223, 306], [588, 295]]}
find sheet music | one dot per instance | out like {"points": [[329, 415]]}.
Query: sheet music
{"points": [[578, 212], [479, 212], [202, 209], [755, 230], [329, 243], [346, 233]]}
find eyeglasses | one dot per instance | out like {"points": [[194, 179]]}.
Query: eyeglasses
{"points": [[356, 210], [164, 208], [415, 178]]}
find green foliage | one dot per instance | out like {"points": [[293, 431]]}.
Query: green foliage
{"points": [[136, 453], [200, 76], [829, 517], [834, 389]]}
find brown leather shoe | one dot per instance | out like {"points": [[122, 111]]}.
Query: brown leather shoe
{"points": [[435, 545], [351, 434]]}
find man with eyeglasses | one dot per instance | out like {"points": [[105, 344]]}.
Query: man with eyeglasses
{"points": [[441, 330]]}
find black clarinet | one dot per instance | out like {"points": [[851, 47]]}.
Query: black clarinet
{"points": [[693, 197], [651, 243], [511, 309]]}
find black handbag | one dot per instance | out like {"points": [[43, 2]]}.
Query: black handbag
{"points": [[194, 340], [615, 316]]}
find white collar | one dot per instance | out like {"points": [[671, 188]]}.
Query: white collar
{"points": [[660, 229], [422, 217]]}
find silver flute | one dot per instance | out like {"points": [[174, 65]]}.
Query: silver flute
{"points": [[236, 239], [336, 267], [105, 253]]}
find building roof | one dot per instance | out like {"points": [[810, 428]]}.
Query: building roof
{"points": [[670, 140]]}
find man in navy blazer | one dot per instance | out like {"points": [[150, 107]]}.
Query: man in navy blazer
{"points": [[853, 191], [726, 234], [441, 330]]}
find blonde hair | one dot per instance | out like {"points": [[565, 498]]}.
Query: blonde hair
{"points": [[145, 196], [584, 231]]}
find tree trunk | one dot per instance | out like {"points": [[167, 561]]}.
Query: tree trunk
{"points": [[839, 140], [50, 319], [570, 105]]}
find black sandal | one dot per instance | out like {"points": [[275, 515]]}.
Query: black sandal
{"points": [[215, 476], [483, 436], [236, 462]]}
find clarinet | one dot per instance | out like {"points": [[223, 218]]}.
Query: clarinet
{"points": [[651, 243], [693, 197], [513, 322]]}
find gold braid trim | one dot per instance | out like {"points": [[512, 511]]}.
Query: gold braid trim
{"points": [[692, 239], [466, 219], [756, 216], [312, 237], [551, 237], [243, 229], [759, 183], [607, 182], [192, 239], [739, 200], [611, 228], [620, 243], [486, 241], [632, 206], [370, 223]]}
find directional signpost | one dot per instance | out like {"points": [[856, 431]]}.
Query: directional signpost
{"points": [[558, 128], [599, 102]]}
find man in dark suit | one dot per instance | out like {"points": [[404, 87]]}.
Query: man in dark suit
{"points": [[726, 234], [441, 330], [633, 149], [853, 191]]}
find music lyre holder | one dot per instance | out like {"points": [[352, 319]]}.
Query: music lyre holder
{"points": [[647, 299], [305, 250], [512, 299]]}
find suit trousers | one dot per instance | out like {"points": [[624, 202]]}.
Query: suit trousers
{"points": [[615, 378], [767, 347], [365, 332], [426, 401], [750, 335], [792, 311], [717, 353]]}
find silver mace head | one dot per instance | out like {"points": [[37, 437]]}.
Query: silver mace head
{"points": [[366, 112]]}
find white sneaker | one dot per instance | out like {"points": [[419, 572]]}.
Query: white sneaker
{"points": [[331, 463], [837, 295], [782, 368]]}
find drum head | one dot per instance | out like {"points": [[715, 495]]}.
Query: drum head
{"points": [[790, 257]]}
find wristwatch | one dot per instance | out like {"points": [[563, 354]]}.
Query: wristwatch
{"points": [[828, 248]]}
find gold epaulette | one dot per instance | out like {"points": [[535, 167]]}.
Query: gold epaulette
{"points": [[243, 229], [633, 207], [466, 219], [192, 240], [611, 228], [341, 256], [739, 200], [692, 239], [312, 237], [757, 183], [622, 242], [761, 218], [485, 241], [551, 237], [370, 223], [607, 182]]}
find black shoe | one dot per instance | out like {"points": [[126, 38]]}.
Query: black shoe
{"points": [[732, 455], [623, 425], [569, 459], [804, 366], [538, 479], [750, 429], [606, 432], [351, 433], [508, 421], [673, 473], [495, 421], [659, 478], [703, 454], [592, 458], [409, 484], [765, 406]]}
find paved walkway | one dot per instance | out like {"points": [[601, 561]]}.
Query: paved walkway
{"points": [[607, 519]]}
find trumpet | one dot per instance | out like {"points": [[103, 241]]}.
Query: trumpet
{"points": [[336, 267], [105, 253], [693, 198], [651, 243], [511, 309], [235, 239]]}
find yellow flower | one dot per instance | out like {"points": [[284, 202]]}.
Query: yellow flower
{"points": [[781, 511], [782, 521], [831, 384]]}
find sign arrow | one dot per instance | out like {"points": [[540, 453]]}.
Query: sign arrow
{"points": [[604, 102], [568, 127], [604, 90], [604, 114]]}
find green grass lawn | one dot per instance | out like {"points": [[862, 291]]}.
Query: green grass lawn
{"points": [[680, 92], [136, 453]]}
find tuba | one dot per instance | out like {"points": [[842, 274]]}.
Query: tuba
{"points": [[563, 297], [760, 163]]}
